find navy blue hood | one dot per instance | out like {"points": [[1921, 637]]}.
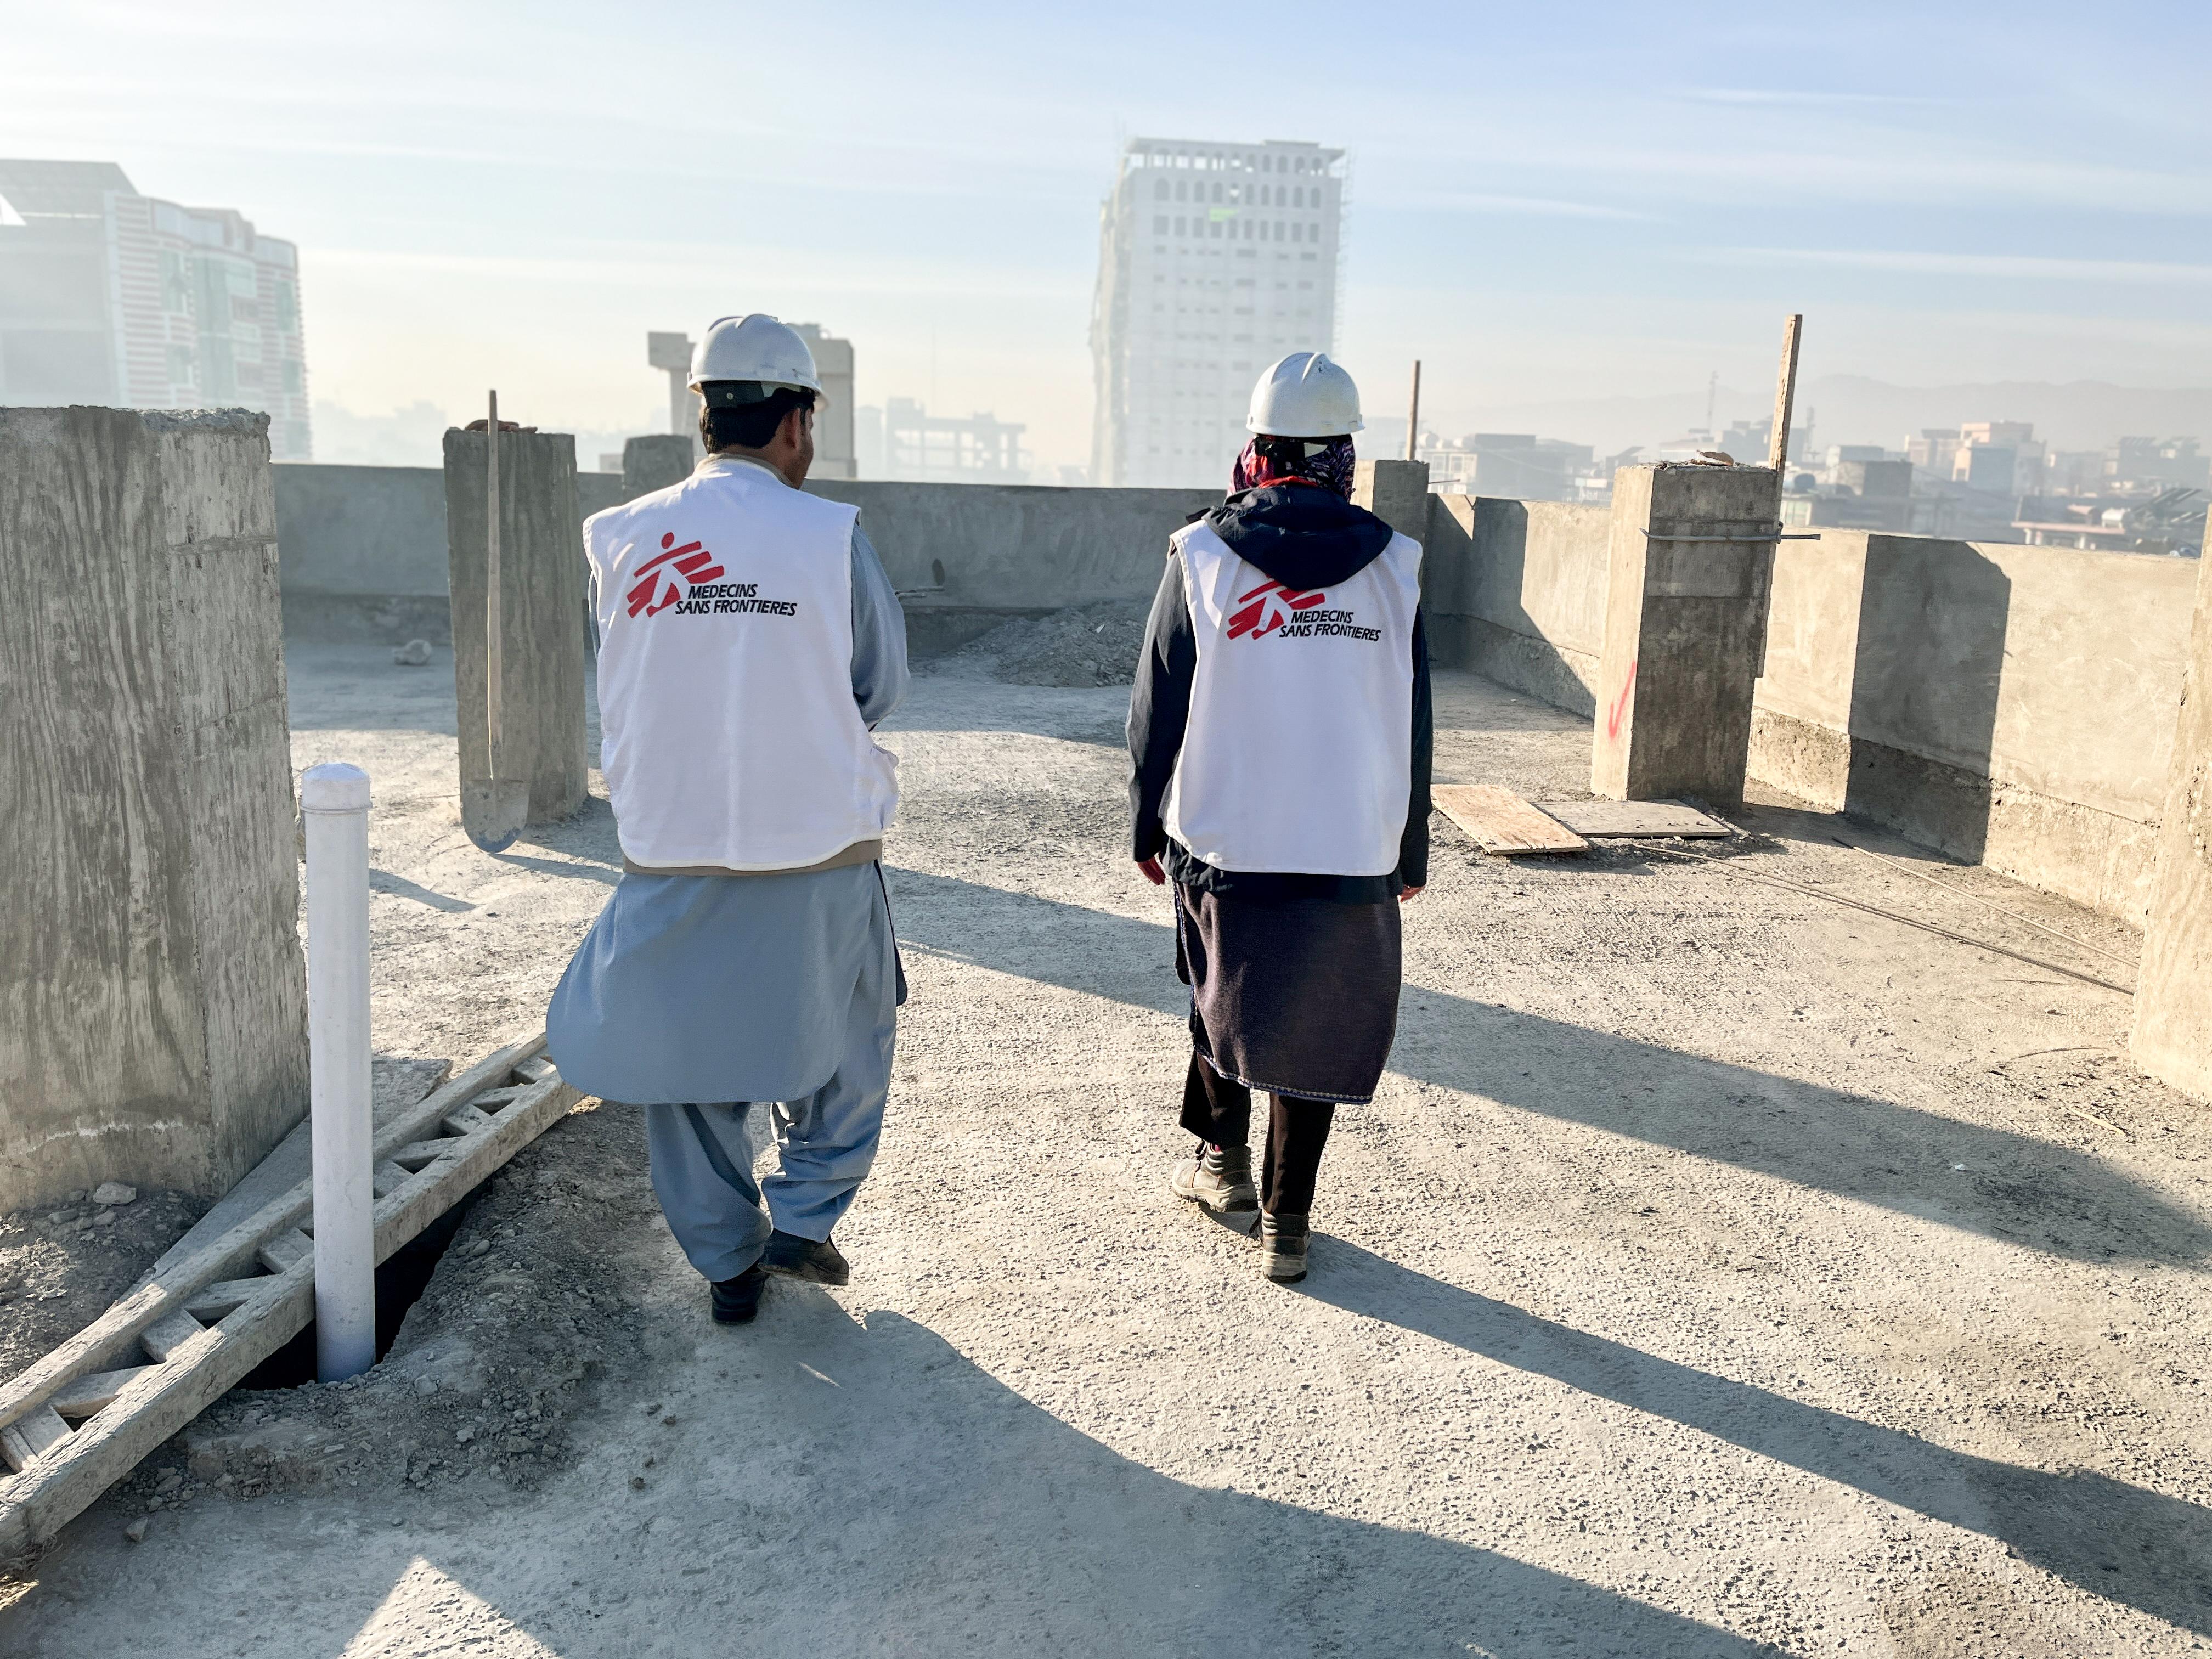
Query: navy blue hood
{"points": [[1301, 534]]}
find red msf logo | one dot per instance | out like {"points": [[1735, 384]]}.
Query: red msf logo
{"points": [[1258, 603], [690, 560]]}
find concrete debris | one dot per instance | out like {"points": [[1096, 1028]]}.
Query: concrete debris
{"points": [[1092, 644], [413, 654], [113, 1192], [136, 1532]]}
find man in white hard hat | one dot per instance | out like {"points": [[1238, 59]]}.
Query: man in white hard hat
{"points": [[1279, 731], [748, 640]]}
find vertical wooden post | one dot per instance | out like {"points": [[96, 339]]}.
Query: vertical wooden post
{"points": [[1785, 395], [1413, 417]]}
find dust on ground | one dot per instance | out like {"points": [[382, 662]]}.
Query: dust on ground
{"points": [[1718, 1272]]}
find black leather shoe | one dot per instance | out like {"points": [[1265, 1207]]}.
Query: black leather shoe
{"points": [[737, 1300], [802, 1258]]}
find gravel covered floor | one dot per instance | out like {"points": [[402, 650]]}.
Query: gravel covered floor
{"points": [[1720, 1272]]}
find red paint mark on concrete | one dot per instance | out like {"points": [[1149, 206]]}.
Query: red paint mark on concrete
{"points": [[1619, 709]]}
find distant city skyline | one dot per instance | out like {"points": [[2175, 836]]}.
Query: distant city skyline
{"points": [[1552, 209]]}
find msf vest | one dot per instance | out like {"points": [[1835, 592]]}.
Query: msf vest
{"points": [[730, 737], [1298, 752]]}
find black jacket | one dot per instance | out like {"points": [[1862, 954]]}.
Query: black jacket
{"points": [[1304, 538]]}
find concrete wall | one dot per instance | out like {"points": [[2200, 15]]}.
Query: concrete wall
{"points": [[2011, 705], [2173, 1033], [2008, 705], [366, 546], [1515, 591], [980, 553], [153, 1005]]}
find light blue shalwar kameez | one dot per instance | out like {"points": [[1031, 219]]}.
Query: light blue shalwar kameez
{"points": [[696, 997]]}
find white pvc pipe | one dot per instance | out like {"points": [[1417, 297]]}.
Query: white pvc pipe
{"points": [[334, 798]]}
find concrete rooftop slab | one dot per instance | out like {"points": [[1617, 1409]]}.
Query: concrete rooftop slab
{"points": [[1720, 1271]]}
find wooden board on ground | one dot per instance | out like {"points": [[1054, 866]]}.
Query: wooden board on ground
{"points": [[1501, 823], [156, 1360], [1602, 818]]}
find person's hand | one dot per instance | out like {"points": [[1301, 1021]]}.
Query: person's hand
{"points": [[1154, 873], [1406, 893]]}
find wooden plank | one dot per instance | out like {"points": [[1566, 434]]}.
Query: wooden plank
{"points": [[166, 1334], [38, 1503], [24, 1442], [108, 1337], [286, 1249], [90, 1394], [1600, 819], [535, 1070], [223, 1298], [492, 1099], [1500, 822]]}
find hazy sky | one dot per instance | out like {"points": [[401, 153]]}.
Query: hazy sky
{"points": [[1547, 202]]}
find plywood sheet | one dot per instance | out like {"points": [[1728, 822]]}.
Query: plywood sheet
{"points": [[1501, 823], [1601, 818]]}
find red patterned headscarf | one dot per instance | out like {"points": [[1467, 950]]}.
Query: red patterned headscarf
{"points": [[1288, 462]]}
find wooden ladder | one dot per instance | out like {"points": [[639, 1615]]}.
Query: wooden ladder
{"points": [[82, 1419]]}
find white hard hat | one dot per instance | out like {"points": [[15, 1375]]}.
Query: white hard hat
{"points": [[1304, 395], [753, 348]]}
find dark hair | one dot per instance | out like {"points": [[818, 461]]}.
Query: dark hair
{"points": [[749, 425]]}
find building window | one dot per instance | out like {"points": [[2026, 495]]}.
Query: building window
{"points": [[176, 287], [1279, 230], [287, 307], [1182, 226], [1160, 190], [295, 380], [1297, 234], [1159, 227], [1214, 230], [1217, 192], [180, 361], [1183, 190]]}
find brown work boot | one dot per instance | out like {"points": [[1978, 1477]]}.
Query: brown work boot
{"points": [[1282, 1247], [1219, 1177]]}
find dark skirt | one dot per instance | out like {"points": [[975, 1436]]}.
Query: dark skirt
{"points": [[1294, 996]]}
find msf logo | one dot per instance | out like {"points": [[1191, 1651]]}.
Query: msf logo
{"points": [[1268, 607], [690, 562]]}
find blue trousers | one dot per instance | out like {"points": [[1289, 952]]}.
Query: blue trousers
{"points": [[702, 1152]]}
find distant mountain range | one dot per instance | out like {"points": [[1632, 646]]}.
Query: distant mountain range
{"points": [[1850, 408]]}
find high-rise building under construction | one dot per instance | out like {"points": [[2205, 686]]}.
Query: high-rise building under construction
{"points": [[1213, 260]]}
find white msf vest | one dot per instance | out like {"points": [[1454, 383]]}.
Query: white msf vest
{"points": [[1298, 752], [729, 733]]}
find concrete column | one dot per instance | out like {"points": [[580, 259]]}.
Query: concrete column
{"points": [[541, 593], [671, 355], [654, 462], [2172, 1037], [1687, 580], [153, 1004], [1396, 492]]}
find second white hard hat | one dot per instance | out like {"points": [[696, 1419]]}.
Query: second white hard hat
{"points": [[1304, 395], [756, 347]]}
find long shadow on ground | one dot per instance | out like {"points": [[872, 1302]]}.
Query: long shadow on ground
{"points": [[2020, 1189], [2144, 1548], [871, 1490]]}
